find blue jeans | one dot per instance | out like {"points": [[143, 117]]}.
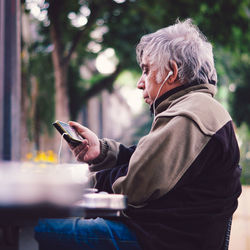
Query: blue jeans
{"points": [[79, 233]]}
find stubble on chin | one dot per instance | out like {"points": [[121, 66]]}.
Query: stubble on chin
{"points": [[148, 101]]}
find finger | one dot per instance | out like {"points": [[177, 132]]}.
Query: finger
{"points": [[81, 155], [83, 131], [73, 145], [77, 126], [79, 148]]}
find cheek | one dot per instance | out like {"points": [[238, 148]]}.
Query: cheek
{"points": [[146, 83], [150, 88], [158, 77]]}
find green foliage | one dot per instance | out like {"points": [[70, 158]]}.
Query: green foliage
{"points": [[244, 141], [128, 21], [75, 91], [241, 101], [127, 78], [226, 23], [233, 71], [44, 78], [142, 130]]}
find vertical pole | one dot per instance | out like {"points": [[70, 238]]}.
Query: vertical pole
{"points": [[7, 84], [2, 8], [16, 82], [10, 80]]}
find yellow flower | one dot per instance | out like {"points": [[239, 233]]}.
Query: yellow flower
{"points": [[29, 156], [41, 156], [51, 157]]}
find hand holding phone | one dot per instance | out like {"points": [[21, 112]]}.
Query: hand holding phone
{"points": [[84, 143], [92, 150], [69, 133]]}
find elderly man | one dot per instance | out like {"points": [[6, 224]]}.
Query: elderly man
{"points": [[182, 180]]}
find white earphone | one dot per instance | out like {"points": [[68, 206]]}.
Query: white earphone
{"points": [[169, 74]]}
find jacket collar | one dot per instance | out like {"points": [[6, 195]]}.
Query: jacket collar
{"points": [[183, 90]]}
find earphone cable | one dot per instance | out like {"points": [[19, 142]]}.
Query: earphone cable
{"points": [[60, 149], [157, 97]]}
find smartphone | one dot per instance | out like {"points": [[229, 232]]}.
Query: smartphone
{"points": [[69, 133]]}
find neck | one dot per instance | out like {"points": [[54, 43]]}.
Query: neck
{"points": [[169, 86]]}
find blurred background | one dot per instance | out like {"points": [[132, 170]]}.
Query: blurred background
{"points": [[75, 60]]}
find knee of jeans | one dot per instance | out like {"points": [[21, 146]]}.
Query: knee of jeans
{"points": [[40, 229], [47, 226], [50, 230]]}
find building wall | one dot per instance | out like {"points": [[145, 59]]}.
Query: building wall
{"points": [[117, 116], [240, 232], [108, 115]]}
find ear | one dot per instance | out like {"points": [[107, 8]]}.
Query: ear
{"points": [[173, 66]]}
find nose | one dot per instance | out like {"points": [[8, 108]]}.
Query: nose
{"points": [[141, 83]]}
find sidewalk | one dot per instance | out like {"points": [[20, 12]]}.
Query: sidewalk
{"points": [[240, 233]]}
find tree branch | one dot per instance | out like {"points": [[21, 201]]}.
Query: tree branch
{"points": [[53, 13], [105, 83], [89, 26]]}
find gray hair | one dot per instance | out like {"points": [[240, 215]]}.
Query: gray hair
{"points": [[184, 43]]}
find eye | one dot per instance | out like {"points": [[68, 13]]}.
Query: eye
{"points": [[145, 70]]}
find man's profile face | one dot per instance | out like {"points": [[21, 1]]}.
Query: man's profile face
{"points": [[147, 82]]}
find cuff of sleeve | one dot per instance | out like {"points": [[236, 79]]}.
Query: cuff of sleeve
{"points": [[104, 147]]}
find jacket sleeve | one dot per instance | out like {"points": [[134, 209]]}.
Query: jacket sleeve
{"points": [[112, 166]]}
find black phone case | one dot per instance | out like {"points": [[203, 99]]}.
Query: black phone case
{"points": [[65, 136]]}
